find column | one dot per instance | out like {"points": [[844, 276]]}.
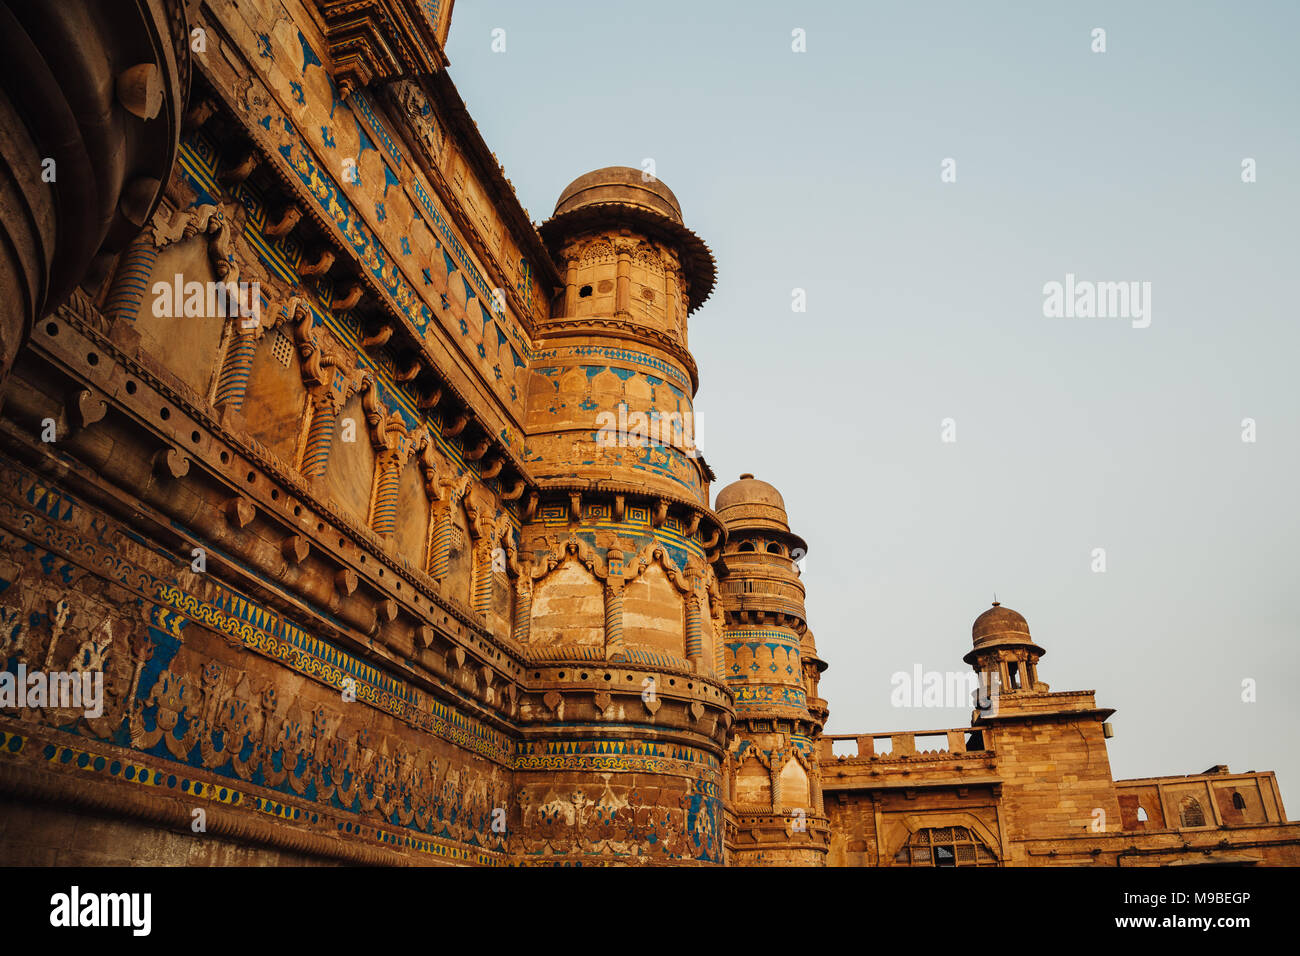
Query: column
{"points": [[233, 383], [320, 435], [523, 607], [440, 545], [623, 286], [388, 468], [482, 597], [694, 636], [613, 619], [132, 278], [571, 287]]}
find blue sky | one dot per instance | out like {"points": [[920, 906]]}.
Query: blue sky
{"points": [[821, 171]]}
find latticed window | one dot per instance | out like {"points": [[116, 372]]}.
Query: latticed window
{"points": [[282, 348], [945, 846]]}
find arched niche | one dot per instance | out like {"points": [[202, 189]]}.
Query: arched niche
{"points": [[654, 615], [349, 479], [753, 783], [501, 613], [276, 399], [410, 538], [796, 792], [459, 581], [568, 607], [191, 344]]}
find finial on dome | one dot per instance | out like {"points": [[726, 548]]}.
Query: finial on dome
{"points": [[746, 475]]}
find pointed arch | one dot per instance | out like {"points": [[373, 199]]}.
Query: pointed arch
{"points": [[754, 780], [568, 603], [655, 596], [796, 783], [275, 395]]}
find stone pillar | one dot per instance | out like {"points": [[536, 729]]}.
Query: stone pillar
{"points": [[571, 287], [320, 435], [719, 652], [233, 383], [623, 286], [482, 594], [131, 281], [523, 607], [671, 306], [440, 545], [778, 761], [613, 619], [815, 786], [388, 471], [694, 636]]}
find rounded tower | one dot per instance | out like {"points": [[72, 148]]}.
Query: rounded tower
{"points": [[616, 379], [774, 779], [618, 609]]}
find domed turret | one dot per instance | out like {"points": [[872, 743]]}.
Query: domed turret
{"points": [[619, 376], [620, 196], [1004, 654], [623, 549]]}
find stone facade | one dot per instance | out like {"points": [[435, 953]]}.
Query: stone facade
{"points": [[377, 510]]}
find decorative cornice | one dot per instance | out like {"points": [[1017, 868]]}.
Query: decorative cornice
{"points": [[372, 40]]}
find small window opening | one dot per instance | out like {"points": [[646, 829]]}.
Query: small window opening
{"points": [[1142, 814], [1191, 813], [1238, 801], [584, 292]]}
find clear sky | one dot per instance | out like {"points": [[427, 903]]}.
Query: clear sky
{"points": [[821, 171]]}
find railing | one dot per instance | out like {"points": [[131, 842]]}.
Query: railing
{"points": [[907, 743]]}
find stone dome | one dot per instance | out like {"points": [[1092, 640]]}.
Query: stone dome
{"points": [[1000, 625], [619, 184], [750, 503], [621, 195]]}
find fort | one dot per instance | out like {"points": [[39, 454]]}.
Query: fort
{"points": [[477, 634]]}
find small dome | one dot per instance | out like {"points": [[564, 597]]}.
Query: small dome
{"points": [[1000, 625], [619, 184], [750, 503]]}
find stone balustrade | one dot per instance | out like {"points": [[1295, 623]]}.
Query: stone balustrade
{"points": [[897, 745]]}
